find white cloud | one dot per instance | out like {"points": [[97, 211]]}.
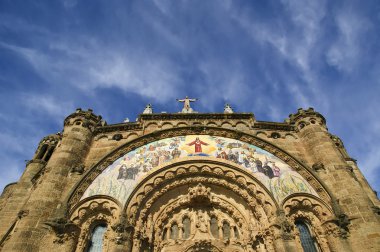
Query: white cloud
{"points": [[345, 52], [150, 76], [47, 104], [295, 43], [69, 3]]}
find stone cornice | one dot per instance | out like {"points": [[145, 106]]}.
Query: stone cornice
{"points": [[196, 116], [273, 126], [298, 166], [189, 117], [118, 127]]}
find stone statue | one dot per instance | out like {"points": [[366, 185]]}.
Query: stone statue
{"points": [[186, 104], [201, 224], [148, 109], [228, 109]]}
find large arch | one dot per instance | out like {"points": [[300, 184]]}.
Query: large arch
{"points": [[109, 159], [164, 196], [200, 189]]}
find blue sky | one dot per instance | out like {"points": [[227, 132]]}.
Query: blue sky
{"points": [[265, 57]]}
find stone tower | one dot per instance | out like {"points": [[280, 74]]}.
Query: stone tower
{"points": [[190, 181]]}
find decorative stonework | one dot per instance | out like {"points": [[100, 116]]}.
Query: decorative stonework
{"points": [[94, 211], [195, 182], [179, 143]]}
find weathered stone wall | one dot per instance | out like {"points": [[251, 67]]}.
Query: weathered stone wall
{"points": [[35, 215]]}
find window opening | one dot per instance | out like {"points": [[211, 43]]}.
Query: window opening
{"points": [[307, 241], [174, 231], [186, 227], [226, 230], [97, 238], [42, 151], [236, 231], [214, 227]]}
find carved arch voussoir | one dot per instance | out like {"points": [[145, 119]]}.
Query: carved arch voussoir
{"points": [[91, 212], [250, 190], [313, 211], [98, 168], [92, 205], [307, 203]]}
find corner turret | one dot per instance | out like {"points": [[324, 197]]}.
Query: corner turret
{"points": [[304, 118], [85, 119]]}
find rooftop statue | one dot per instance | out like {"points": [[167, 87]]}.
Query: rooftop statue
{"points": [[228, 109], [148, 109], [186, 104]]}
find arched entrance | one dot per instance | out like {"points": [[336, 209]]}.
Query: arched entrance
{"points": [[201, 205], [223, 195]]}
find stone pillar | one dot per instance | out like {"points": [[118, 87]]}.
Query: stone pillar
{"points": [[180, 230], [220, 228], [45, 201]]}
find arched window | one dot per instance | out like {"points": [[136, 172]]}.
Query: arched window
{"points": [[186, 228], [236, 231], [307, 241], [226, 230], [174, 231], [214, 227], [97, 237], [42, 151], [164, 234], [49, 153]]}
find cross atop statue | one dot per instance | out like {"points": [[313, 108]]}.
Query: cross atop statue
{"points": [[186, 104]]}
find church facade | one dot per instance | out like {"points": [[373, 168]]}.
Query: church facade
{"points": [[191, 181]]}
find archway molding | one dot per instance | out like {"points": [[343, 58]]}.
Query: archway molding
{"points": [[97, 169], [161, 196]]}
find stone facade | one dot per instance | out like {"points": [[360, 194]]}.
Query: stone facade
{"points": [[191, 182]]}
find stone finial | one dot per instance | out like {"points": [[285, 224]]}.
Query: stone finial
{"points": [[126, 120], [148, 109], [228, 109]]}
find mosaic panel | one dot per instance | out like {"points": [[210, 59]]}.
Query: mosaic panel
{"points": [[119, 179]]}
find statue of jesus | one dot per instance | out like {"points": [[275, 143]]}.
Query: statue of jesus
{"points": [[186, 104]]}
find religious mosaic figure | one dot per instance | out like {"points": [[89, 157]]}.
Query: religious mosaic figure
{"points": [[197, 145], [121, 177]]}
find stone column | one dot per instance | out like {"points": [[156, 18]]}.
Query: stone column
{"points": [[180, 230], [220, 228]]}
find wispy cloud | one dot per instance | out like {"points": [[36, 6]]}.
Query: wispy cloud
{"points": [[269, 58], [89, 69], [345, 51]]}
